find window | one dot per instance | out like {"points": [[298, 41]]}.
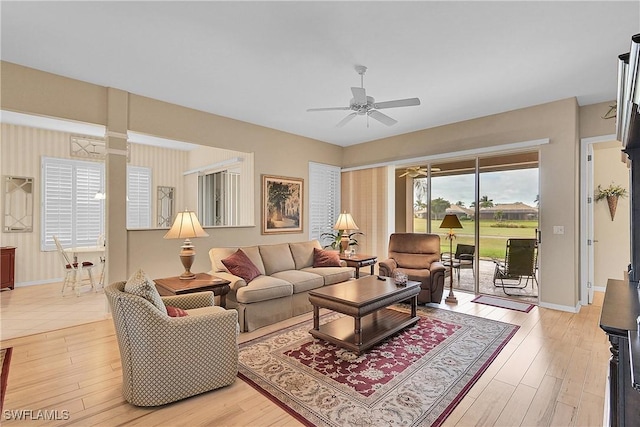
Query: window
{"points": [[218, 201], [69, 207], [138, 197], [324, 198]]}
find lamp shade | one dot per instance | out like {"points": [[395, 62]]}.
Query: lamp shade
{"points": [[185, 226], [451, 221], [345, 222]]}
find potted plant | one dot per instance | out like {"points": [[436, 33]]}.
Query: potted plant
{"points": [[335, 238], [611, 194]]}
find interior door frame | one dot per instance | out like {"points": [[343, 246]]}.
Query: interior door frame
{"points": [[586, 216]]}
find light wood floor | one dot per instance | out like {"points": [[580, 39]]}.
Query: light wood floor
{"points": [[551, 373]]}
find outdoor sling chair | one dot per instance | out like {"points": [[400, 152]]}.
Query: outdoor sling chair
{"points": [[520, 262]]}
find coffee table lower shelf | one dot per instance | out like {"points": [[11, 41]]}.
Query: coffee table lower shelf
{"points": [[373, 329]]}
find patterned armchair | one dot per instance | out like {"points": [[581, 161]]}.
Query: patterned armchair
{"points": [[418, 256], [165, 359]]}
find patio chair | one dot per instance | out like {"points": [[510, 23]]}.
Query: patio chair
{"points": [[520, 262], [462, 259]]}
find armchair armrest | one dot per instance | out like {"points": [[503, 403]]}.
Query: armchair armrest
{"points": [[387, 266], [236, 282], [190, 301], [437, 266]]}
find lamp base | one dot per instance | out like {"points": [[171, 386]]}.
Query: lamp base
{"points": [[451, 299], [187, 255], [187, 275]]}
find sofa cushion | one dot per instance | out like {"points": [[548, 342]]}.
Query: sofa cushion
{"points": [[322, 258], [301, 280], [141, 285], [332, 275], [264, 288], [216, 255], [240, 265], [302, 253], [277, 258]]}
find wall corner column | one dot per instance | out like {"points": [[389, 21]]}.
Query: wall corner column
{"points": [[116, 185]]}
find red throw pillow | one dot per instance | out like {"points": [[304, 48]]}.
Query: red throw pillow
{"points": [[322, 258], [240, 265], [176, 312]]}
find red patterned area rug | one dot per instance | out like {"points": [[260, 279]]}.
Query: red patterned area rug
{"points": [[5, 359], [415, 378]]}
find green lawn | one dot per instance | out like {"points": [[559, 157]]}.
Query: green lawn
{"points": [[492, 239]]}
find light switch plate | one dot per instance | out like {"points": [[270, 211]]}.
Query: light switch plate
{"points": [[558, 229]]}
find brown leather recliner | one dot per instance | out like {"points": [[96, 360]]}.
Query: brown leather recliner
{"points": [[418, 256]]}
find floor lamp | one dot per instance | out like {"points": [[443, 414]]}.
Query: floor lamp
{"points": [[451, 221]]}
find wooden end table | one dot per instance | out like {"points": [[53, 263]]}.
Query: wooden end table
{"points": [[168, 286], [359, 260]]}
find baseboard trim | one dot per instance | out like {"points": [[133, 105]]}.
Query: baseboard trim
{"points": [[38, 282], [559, 307]]}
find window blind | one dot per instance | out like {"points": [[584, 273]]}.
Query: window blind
{"points": [[324, 198], [69, 207], [139, 197]]}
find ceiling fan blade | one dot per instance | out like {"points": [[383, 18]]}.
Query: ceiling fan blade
{"points": [[359, 95], [382, 118], [404, 174], [397, 103], [328, 109], [346, 120]]}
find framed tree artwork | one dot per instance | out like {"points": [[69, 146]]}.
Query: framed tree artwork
{"points": [[282, 203]]}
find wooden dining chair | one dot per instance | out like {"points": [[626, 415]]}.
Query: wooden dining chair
{"points": [[73, 271]]}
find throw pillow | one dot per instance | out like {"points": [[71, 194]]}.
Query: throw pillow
{"points": [[176, 312], [240, 265], [322, 258], [140, 284]]}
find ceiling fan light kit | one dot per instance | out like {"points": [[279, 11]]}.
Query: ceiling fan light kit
{"points": [[362, 105]]}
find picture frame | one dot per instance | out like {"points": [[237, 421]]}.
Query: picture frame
{"points": [[282, 204]]}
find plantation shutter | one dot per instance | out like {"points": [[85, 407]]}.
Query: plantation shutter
{"points": [[139, 197], [69, 207], [324, 198]]}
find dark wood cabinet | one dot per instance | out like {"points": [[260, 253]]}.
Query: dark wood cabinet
{"points": [[620, 310], [7, 267]]}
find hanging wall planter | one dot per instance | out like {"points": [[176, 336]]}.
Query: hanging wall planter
{"points": [[612, 193]]}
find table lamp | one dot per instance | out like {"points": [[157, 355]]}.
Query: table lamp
{"points": [[186, 226], [451, 221], [344, 223]]}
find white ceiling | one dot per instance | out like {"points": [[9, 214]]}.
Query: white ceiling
{"points": [[267, 62]]}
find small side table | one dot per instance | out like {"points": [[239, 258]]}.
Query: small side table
{"points": [[168, 286], [360, 260]]}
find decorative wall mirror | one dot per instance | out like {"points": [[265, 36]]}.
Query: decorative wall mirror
{"points": [[18, 204], [165, 206]]}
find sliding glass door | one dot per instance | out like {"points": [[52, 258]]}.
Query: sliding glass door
{"points": [[508, 221], [495, 199]]}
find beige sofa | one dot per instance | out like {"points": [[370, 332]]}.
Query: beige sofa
{"points": [[281, 291]]}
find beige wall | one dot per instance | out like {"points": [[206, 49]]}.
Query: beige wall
{"points": [[31, 91], [559, 205], [21, 152], [612, 238], [562, 122]]}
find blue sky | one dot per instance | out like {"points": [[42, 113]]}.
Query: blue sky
{"points": [[503, 187]]}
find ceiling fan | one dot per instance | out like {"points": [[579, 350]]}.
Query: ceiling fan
{"points": [[361, 104], [414, 171]]}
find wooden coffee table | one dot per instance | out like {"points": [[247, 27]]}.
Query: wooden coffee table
{"points": [[365, 300], [202, 282]]}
